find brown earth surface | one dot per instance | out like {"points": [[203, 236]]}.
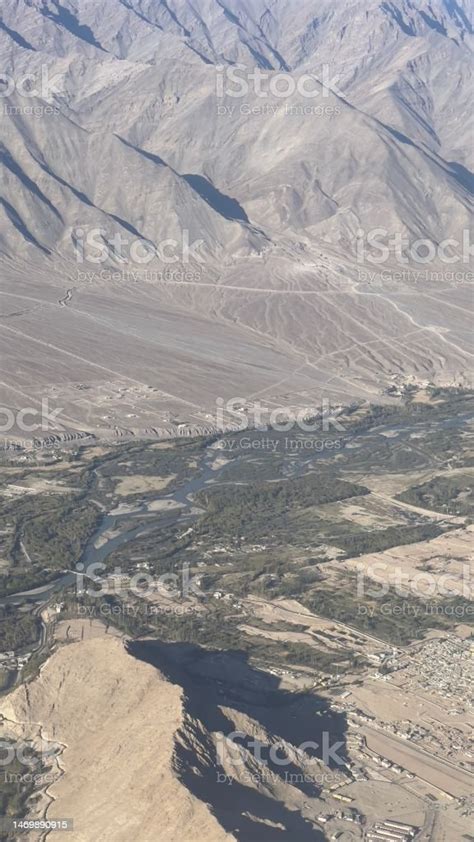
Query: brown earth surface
{"points": [[116, 717]]}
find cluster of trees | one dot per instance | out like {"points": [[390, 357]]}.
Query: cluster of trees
{"points": [[57, 538], [17, 630], [377, 540], [254, 510], [396, 619], [308, 490], [450, 494]]}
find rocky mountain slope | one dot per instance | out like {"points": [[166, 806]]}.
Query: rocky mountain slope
{"points": [[266, 140], [138, 733]]}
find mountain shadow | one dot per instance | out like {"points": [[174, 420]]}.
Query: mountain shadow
{"points": [[63, 17], [213, 680], [16, 37], [225, 205]]}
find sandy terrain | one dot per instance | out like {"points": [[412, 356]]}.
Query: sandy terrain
{"points": [[331, 632], [152, 506], [282, 297], [106, 536], [294, 637], [138, 484], [391, 703], [383, 800], [369, 511], [163, 445], [427, 569], [447, 778], [163, 505], [94, 452], [77, 630], [419, 510], [116, 717], [35, 486], [392, 484]]}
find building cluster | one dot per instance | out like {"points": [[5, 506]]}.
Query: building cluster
{"points": [[391, 831], [350, 816], [387, 764], [9, 661], [445, 666]]}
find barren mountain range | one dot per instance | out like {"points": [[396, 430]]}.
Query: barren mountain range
{"points": [[231, 198]]}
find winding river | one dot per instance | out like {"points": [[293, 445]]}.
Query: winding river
{"points": [[102, 543]]}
